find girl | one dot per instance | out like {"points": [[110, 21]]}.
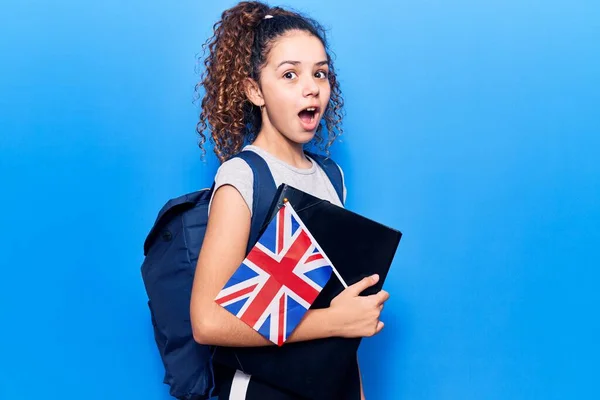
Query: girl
{"points": [[269, 84]]}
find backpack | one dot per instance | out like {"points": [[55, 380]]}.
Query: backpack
{"points": [[171, 250]]}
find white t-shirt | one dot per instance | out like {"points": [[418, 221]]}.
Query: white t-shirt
{"points": [[237, 173]]}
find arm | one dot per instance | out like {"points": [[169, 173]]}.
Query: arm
{"points": [[223, 250]]}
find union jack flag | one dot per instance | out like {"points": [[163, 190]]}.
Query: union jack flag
{"points": [[279, 279]]}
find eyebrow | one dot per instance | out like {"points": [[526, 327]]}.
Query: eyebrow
{"points": [[320, 63]]}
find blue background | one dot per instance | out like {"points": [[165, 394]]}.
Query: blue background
{"points": [[471, 126]]}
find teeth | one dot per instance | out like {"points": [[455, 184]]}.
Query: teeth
{"points": [[311, 109]]}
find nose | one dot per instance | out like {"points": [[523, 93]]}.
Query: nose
{"points": [[310, 87]]}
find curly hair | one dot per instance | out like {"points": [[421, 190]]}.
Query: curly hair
{"points": [[238, 50]]}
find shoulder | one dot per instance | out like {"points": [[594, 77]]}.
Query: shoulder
{"points": [[234, 169], [237, 173], [320, 159]]}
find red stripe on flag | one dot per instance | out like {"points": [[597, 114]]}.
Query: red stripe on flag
{"points": [[282, 315], [260, 302], [233, 295], [314, 257], [283, 271], [286, 275]]}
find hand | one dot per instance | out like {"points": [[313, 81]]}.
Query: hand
{"points": [[358, 316]]}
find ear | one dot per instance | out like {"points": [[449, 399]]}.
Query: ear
{"points": [[253, 92]]}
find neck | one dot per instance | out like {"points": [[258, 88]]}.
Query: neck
{"points": [[272, 141]]}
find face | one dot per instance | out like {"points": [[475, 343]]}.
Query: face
{"points": [[295, 86]]}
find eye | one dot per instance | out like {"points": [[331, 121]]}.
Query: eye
{"points": [[322, 74], [289, 75]]}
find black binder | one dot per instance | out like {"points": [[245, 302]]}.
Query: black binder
{"points": [[357, 247]]}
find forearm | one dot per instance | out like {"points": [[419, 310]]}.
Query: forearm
{"points": [[316, 324], [225, 329], [222, 328]]}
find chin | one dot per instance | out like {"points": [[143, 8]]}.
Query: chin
{"points": [[303, 138]]}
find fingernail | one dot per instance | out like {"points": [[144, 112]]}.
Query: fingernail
{"points": [[375, 277]]}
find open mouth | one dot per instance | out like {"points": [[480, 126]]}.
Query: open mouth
{"points": [[309, 115]]}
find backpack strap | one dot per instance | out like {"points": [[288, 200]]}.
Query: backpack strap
{"points": [[263, 192], [264, 188], [332, 171]]}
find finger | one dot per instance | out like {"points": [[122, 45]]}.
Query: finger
{"points": [[380, 297], [363, 284], [379, 327], [384, 296]]}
